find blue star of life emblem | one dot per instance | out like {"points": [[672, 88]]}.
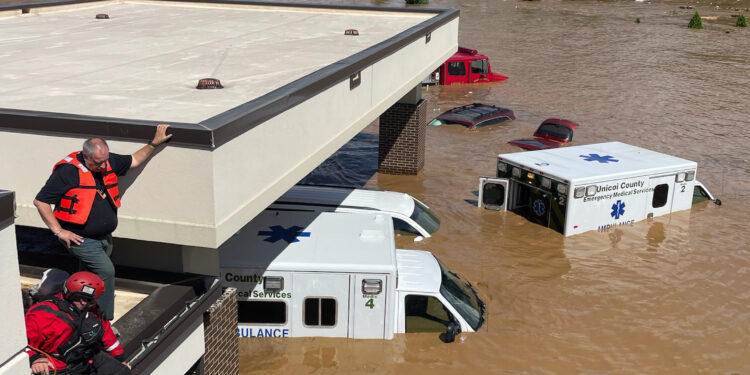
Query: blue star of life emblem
{"points": [[602, 159], [618, 209], [539, 207], [278, 232]]}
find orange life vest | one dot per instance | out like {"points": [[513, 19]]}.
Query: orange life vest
{"points": [[75, 205]]}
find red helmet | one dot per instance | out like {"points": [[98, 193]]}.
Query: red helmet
{"points": [[85, 284]]}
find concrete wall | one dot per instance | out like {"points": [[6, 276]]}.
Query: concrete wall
{"points": [[191, 349], [13, 360]]}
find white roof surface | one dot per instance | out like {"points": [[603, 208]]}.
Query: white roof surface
{"points": [[146, 59], [326, 242], [418, 271], [601, 161], [389, 201]]}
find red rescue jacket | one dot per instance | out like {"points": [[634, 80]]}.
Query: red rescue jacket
{"points": [[75, 205], [54, 326]]}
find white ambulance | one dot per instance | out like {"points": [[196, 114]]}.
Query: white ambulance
{"points": [[591, 187], [410, 216], [338, 274]]}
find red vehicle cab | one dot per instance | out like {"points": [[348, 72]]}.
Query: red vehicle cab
{"points": [[552, 133], [465, 66]]}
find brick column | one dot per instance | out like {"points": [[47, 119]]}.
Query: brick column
{"points": [[403, 128], [222, 343]]}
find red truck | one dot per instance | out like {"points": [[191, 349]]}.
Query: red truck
{"points": [[465, 66]]}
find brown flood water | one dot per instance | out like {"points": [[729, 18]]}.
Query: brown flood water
{"points": [[664, 296]]}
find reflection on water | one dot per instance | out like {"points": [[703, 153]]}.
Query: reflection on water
{"points": [[655, 236], [667, 295]]}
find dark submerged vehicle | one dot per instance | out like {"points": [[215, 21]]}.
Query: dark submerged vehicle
{"points": [[552, 133], [474, 116]]}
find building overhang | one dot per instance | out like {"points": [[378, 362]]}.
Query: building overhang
{"points": [[296, 89]]}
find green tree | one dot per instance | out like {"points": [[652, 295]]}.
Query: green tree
{"points": [[417, 1], [696, 22], [741, 21]]}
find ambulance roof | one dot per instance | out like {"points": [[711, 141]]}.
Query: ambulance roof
{"points": [[343, 197], [597, 162], [418, 271], [315, 242]]}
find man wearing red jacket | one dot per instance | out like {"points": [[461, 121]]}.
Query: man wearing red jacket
{"points": [[67, 334]]}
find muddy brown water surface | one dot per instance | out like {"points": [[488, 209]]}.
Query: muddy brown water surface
{"points": [[664, 296]]}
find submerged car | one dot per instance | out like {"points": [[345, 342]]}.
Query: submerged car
{"points": [[552, 133], [474, 116]]}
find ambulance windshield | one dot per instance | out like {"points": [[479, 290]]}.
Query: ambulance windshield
{"points": [[425, 217], [462, 296]]}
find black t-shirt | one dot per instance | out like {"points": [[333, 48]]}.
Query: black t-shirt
{"points": [[103, 217]]}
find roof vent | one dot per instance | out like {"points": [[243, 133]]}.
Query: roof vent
{"points": [[102, 16], [351, 32], [209, 83]]}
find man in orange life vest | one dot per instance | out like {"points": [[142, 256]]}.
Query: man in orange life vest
{"points": [[83, 188]]}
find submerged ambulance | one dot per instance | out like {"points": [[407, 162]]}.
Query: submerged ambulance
{"points": [[338, 274], [591, 187], [410, 216]]}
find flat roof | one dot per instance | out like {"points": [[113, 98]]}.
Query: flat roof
{"points": [[65, 70], [600, 161]]}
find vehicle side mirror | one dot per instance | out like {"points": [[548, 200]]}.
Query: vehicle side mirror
{"points": [[451, 331]]}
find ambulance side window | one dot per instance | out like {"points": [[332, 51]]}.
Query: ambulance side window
{"points": [[261, 312], [402, 227], [661, 193], [320, 312], [425, 314]]}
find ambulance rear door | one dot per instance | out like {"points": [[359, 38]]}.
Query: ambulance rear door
{"points": [[661, 194], [493, 193]]}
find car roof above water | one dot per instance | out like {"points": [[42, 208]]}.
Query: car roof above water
{"points": [[330, 198]]}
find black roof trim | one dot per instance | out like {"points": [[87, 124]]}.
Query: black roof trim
{"points": [[106, 127], [222, 128], [43, 3]]}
